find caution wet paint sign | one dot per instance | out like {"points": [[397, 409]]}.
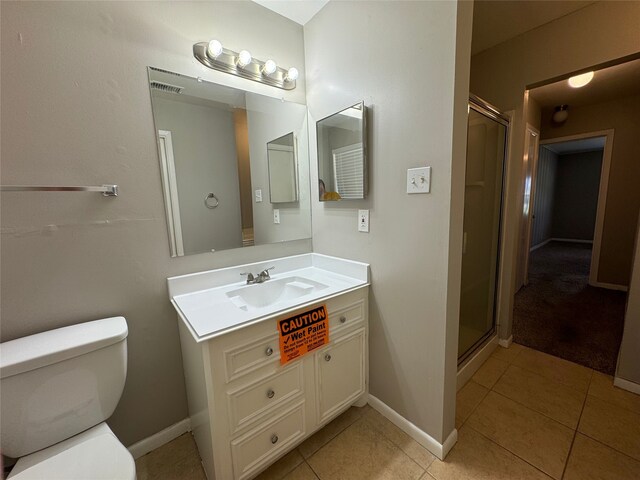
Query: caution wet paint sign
{"points": [[303, 333]]}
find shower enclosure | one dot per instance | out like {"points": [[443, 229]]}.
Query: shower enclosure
{"points": [[486, 151]]}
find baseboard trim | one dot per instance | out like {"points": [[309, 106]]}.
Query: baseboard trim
{"points": [[610, 286], [156, 440], [472, 364], [505, 343], [571, 240], [440, 450], [626, 385], [540, 245]]}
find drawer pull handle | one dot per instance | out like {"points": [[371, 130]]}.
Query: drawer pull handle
{"points": [[343, 319], [269, 351], [274, 438], [270, 393], [327, 357]]}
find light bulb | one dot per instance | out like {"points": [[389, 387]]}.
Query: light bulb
{"points": [[214, 49], [244, 58], [269, 67], [580, 80], [292, 74], [561, 113]]}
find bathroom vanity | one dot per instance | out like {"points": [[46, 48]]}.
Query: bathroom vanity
{"points": [[248, 403]]}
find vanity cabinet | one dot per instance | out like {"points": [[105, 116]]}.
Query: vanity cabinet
{"points": [[247, 409]]}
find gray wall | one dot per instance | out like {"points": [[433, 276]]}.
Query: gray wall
{"points": [[76, 110], [576, 195], [415, 290], [204, 149], [544, 195]]}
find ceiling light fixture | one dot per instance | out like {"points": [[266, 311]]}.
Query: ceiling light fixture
{"points": [[561, 114], [212, 55], [578, 81]]}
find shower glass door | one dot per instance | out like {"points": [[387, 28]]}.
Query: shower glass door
{"points": [[486, 147]]}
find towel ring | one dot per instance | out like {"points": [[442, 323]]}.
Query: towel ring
{"points": [[206, 200]]}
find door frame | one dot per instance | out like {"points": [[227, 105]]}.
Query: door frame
{"points": [[602, 200], [170, 188], [529, 220]]}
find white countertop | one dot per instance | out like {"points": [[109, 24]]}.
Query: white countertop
{"points": [[202, 302]]}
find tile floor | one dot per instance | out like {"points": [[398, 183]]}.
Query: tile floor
{"points": [[523, 415]]}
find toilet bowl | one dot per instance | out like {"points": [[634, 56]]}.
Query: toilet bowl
{"points": [[57, 389]]}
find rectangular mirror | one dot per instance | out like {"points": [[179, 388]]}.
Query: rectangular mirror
{"points": [[342, 165], [283, 175], [214, 144]]}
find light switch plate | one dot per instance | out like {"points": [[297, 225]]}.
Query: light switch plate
{"points": [[419, 180], [258, 196], [276, 215], [363, 221]]}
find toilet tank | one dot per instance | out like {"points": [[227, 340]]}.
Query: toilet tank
{"points": [[56, 384]]}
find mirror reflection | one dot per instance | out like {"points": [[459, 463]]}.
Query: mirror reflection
{"points": [[281, 154], [342, 170], [228, 158]]}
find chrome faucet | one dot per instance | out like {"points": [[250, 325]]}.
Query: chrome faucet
{"points": [[261, 277]]}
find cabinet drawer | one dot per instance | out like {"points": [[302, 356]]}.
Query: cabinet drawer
{"points": [[258, 447], [346, 316], [251, 402], [243, 359]]}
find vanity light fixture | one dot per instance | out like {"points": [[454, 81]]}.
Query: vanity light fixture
{"points": [[578, 81], [212, 55]]}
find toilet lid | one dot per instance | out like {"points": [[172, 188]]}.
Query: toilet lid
{"points": [[95, 454]]}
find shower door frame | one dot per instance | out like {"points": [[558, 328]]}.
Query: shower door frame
{"points": [[485, 108]]}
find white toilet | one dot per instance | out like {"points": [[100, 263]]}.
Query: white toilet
{"points": [[57, 388]]}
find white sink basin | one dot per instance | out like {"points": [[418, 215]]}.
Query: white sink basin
{"points": [[214, 302], [273, 292]]}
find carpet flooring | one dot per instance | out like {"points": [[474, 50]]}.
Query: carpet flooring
{"points": [[560, 314]]}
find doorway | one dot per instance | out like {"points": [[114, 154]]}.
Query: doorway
{"points": [[562, 310]]}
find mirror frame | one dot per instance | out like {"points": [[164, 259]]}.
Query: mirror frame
{"points": [[365, 154]]}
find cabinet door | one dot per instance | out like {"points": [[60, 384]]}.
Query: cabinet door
{"points": [[340, 374]]}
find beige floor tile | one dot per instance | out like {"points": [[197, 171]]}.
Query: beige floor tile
{"points": [[331, 430], [568, 373], [282, 467], [408, 445], [302, 472], [591, 460], [468, 398], [362, 452], [542, 394], [539, 440], [507, 354], [602, 388], [612, 425], [490, 371], [177, 459], [475, 457]]}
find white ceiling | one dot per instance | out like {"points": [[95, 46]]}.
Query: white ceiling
{"points": [[300, 11], [619, 81], [497, 21]]}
